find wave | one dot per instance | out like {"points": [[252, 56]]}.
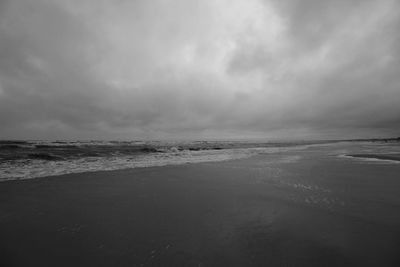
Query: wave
{"points": [[13, 142], [44, 156], [45, 164], [33, 159], [10, 146], [40, 165]]}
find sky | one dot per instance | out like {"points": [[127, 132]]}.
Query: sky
{"points": [[189, 69]]}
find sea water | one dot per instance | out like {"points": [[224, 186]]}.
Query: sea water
{"points": [[32, 159]]}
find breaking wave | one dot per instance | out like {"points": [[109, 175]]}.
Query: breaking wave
{"points": [[31, 159]]}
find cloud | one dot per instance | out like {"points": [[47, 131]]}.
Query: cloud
{"points": [[199, 69]]}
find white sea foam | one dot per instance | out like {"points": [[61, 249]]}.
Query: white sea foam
{"points": [[369, 160], [27, 168]]}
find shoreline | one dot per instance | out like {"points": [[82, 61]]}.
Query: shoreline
{"points": [[391, 157], [4, 180], [44, 168], [47, 166]]}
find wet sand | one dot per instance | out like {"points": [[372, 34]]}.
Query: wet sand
{"points": [[305, 208], [395, 157]]}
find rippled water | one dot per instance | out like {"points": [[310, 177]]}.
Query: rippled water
{"points": [[31, 159]]}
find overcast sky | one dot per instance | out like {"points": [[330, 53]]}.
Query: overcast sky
{"points": [[162, 69]]}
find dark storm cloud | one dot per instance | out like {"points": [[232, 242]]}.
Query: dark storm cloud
{"points": [[189, 69]]}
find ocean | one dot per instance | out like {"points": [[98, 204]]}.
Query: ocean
{"points": [[33, 159]]}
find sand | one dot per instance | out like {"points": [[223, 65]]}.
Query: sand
{"points": [[290, 209]]}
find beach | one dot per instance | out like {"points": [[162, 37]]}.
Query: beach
{"points": [[306, 207]]}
